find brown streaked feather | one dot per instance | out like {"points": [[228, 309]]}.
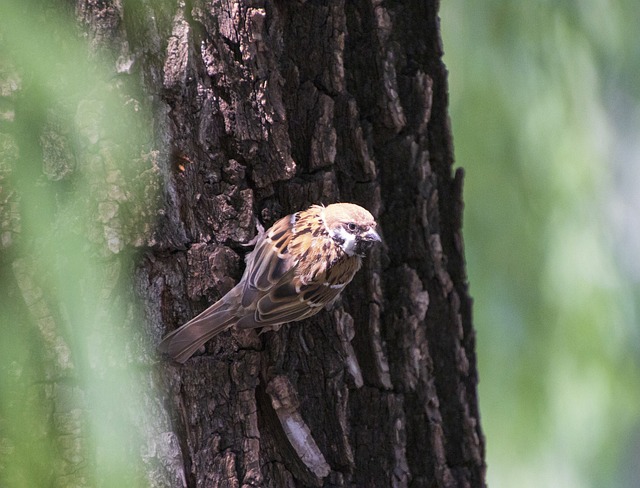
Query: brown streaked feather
{"points": [[290, 300], [269, 262], [273, 310]]}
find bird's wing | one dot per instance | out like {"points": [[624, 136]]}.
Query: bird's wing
{"points": [[290, 301], [266, 266], [269, 262]]}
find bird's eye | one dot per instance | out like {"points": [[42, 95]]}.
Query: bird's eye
{"points": [[352, 227]]}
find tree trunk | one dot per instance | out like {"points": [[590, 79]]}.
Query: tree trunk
{"points": [[261, 109]]}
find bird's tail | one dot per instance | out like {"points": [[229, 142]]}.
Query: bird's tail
{"points": [[182, 343]]}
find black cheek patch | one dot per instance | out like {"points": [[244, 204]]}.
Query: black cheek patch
{"points": [[362, 245]]}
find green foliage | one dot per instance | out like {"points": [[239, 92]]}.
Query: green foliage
{"points": [[74, 158], [536, 120]]}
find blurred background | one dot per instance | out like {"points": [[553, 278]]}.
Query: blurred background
{"points": [[545, 108], [76, 142]]}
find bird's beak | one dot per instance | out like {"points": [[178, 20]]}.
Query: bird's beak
{"points": [[371, 235]]}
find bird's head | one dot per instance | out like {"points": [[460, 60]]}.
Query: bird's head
{"points": [[351, 227]]}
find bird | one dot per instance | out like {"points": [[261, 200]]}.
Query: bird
{"points": [[298, 267]]}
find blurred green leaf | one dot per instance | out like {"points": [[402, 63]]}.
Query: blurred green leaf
{"points": [[531, 89], [78, 186]]}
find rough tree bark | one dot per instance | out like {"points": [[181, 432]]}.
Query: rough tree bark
{"points": [[261, 109]]}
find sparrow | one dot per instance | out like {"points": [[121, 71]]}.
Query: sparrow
{"points": [[298, 267]]}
